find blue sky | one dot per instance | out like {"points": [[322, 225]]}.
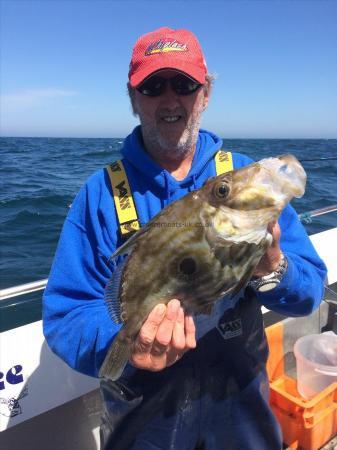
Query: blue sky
{"points": [[64, 65]]}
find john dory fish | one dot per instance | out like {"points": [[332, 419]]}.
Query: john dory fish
{"points": [[200, 248]]}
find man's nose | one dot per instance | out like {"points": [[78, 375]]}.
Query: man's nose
{"points": [[169, 94]]}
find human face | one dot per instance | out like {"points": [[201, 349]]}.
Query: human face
{"points": [[170, 122]]}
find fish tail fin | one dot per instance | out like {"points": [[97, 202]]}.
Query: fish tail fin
{"points": [[117, 357]]}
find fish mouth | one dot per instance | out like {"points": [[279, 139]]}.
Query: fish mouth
{"points": [[264, 188], [288, 175]]}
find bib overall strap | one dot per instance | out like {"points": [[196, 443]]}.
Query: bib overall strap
{"points": [[223, 162], [124, 203]]}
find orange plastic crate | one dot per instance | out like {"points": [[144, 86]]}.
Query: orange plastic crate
{"points": [[306, 424]]}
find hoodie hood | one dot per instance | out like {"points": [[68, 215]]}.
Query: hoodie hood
{"points": [[133, 151]]}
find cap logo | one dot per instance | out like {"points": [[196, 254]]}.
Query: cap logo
{"points": [[165, 46]]}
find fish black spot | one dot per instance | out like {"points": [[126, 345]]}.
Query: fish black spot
{"points": [[188, 266]]}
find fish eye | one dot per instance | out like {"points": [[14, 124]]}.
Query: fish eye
{"points": [[221, 190]]}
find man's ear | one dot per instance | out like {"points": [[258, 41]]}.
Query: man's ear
{"points": [[132, 96], [205, 102], [134, 107], [207, 94]]}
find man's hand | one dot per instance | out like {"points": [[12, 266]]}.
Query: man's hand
{"points": [[271, 259], [165, 336]]}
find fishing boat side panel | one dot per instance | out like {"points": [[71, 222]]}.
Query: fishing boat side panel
{"points": [[32, 379]]}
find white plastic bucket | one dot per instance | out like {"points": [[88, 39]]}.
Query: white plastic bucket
{"points": [[316, 363]]}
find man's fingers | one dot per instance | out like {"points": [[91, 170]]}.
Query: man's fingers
{"points": [[165, 329], [147, 333], [178, 335], [165, 336], [190, 332], [271, 225], [183, 338], [275, 230]]}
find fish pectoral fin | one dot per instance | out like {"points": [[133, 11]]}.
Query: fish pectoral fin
{"points": [[242, 283], [264, 244], [117, 357], [250, 270]]}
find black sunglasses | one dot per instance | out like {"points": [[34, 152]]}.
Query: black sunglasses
{"points": [[156, 85]]}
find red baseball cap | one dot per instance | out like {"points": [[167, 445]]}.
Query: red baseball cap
{"points": [[167, 49]]}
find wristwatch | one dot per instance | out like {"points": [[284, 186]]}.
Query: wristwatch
{"points": [[270, 281]]}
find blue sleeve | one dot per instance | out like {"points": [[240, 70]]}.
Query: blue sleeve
{"points": [[76, 321], [302, 287]]}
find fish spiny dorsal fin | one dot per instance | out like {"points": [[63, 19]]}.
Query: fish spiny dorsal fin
{"points": [[111, 294], [128, 246]]}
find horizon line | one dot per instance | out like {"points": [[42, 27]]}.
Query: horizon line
{"points": [[122, 138]]}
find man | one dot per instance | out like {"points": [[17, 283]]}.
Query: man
{"points": [[189, 384]]}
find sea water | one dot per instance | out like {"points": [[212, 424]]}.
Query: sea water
{"points": [[40, 177]]}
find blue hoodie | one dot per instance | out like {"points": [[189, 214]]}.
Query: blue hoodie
{"points": [[77, 323]]}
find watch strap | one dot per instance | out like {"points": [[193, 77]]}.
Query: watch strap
{"points": [[273, 279]]}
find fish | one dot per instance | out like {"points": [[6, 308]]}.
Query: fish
{"points": [[199, 248]]}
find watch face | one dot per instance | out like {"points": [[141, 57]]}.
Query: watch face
{"points": [[268, 286]]}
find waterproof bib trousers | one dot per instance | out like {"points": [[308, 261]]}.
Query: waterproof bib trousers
{"points": [[214, 398]]}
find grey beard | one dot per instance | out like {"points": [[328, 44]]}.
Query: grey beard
{"points": [[164, 148]]}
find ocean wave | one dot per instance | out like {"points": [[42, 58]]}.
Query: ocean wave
{"points": [[24, 200], [99, 153], [33, 222]]}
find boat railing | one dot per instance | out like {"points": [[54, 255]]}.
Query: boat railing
{"points": [[23, 289], [307, 216]]}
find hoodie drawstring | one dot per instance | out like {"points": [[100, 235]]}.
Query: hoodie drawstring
{"points": [[167, 190], [193, 184], [194, 180]]}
